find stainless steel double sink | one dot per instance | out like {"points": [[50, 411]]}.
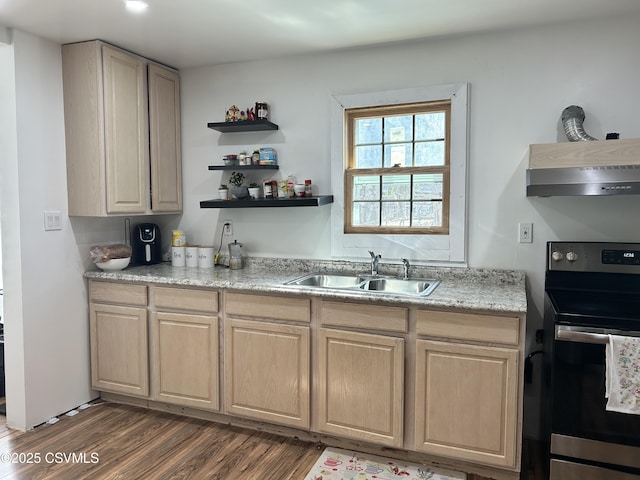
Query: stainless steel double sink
{"points": [[374, 284]]}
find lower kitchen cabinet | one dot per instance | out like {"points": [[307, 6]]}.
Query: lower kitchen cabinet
{"points": [[267, 369], [118, 337], [185, 362], [361, 385], [466, 402], [119, 349], [447, 383]]}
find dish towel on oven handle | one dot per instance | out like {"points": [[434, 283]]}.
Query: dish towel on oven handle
{"points": [[622, 383]]}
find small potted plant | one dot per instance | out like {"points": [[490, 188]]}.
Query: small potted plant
{"points": [[237, 189], [254, 190], [223, 191]]}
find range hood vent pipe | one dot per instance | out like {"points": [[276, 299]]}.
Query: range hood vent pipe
{"points": [[572, 119]]}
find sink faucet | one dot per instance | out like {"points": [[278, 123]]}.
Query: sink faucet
{"points": [[405, 266], [374, 262]]}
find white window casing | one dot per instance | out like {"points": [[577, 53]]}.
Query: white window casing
{"points": [[419, 249]]}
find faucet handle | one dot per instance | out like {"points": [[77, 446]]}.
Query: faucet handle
{"points": [[406, 265], [374, 256]]}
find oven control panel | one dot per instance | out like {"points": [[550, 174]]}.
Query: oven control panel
{"points": [[593, 257], [621, 257]]}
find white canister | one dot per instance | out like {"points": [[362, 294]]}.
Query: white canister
{"points": [[178, 256], [205, 257], [191, 255]]}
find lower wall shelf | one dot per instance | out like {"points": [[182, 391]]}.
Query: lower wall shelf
{"points": [[269, 202]]}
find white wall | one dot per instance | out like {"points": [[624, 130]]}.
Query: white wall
{"points": [[520, 83], [47, 348]]}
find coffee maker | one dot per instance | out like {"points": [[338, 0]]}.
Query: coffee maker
{"points": [[146, 244]]}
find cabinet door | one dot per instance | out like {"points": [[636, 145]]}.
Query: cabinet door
{"points": [[267, 371], [126, 131], [185, 359], [466, 397], [119, 349], [84, 128], [164, 137], [361, 385]]}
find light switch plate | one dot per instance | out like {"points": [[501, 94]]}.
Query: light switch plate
{"points": [[52, 221]]}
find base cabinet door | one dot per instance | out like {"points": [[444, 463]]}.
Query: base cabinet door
{"points": [[361, 385], [267, 369], [185, 361], [466, 397], [119, 349]]}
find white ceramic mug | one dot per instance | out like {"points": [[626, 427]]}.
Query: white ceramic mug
{"points": [[178, 256], [205, 257], [191, 256]]}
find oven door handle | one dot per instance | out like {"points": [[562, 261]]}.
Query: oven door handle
{"points": [[571, 334], [589, 335]]}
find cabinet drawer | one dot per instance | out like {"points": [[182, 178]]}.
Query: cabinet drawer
{"points": [[186, 299], [281, 308], [373, 317], [468, 326], [120, 293]]}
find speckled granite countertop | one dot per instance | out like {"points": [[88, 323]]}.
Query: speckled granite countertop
{"points": [[462, 288]]}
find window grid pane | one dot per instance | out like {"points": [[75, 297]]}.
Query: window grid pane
{"points": [[368, 156], [430, 126], [366, 188]]}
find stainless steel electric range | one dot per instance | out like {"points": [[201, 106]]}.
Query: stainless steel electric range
{"points": [[592, 290]]}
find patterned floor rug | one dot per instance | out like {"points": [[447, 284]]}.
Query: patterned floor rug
{"points": [[337, 464]]}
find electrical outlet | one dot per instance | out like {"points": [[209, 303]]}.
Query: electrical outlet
{"points": [[525, 232], [227, 228]]}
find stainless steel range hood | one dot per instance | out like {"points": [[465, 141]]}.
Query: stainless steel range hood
{"points": [[615, 180], [608, 167]]}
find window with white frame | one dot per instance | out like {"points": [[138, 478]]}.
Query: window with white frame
{"points": [[399, 164]]}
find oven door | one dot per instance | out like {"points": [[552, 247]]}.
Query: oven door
{"points": [[586, 438]]}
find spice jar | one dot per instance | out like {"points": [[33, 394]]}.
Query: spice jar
{"points": [[255, 157], [307, 188], [266, 188], [262, 110], [291, 181]]}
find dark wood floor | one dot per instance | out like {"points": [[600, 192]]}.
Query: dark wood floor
{"points": [[112, 441]]}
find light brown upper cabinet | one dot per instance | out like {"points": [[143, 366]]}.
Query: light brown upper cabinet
{"points": [[122, 130]]}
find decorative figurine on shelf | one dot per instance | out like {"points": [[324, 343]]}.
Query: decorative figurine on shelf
{"points": [[232, 114], [242, 117], [251, 114]]}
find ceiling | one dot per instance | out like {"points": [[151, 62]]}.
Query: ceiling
{"points": [[189, 33]]}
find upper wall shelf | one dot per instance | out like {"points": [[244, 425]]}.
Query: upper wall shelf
{"points": [[245, 126]]}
